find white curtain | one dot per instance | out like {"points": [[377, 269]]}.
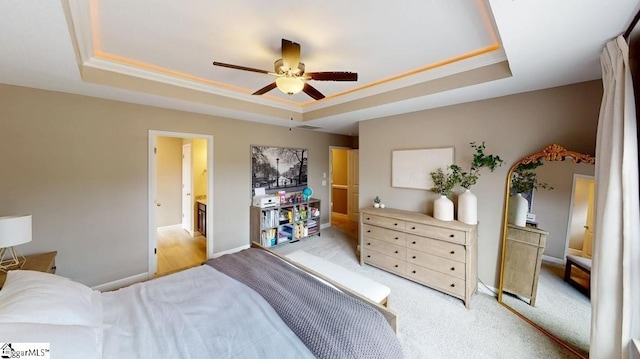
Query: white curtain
{"points": [[615, 280]]}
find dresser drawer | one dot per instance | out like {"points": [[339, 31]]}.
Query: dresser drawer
{"points": [[437, 280], [386, 248], [527, 236], [388, 263], [384, 234], [451, 235], [383, 221], [438, 264], [436, 247]]}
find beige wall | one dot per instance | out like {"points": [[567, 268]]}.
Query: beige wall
{"points": [[79, 166], [552, 206], [169, 181], [512, 127]]}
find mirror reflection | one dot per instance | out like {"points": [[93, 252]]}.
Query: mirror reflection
{"points": [[547, 244]]}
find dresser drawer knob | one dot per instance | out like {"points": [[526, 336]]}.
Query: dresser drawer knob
{"points": [[369, 243], [414, 257], [452, 235], [413, 271], [368, 231], [396, 252], [413, 227], [396, 266], [414, 242], [396, 238], [395, 224], [453, 285], [368, 256], [453, 252], [453, 268], [368, 218]]}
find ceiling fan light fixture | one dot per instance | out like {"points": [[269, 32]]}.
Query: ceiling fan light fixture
{"points": [[290, 85]]}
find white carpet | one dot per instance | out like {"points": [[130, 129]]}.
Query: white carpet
{"points": [[432, 324]]}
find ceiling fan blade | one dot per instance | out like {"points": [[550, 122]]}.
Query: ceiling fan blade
{"points": [[215, 63], [332, 76], [290, 54], [265, 89], [311, 91]]}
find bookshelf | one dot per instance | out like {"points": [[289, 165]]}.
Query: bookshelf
{"points": [[285, 223]]}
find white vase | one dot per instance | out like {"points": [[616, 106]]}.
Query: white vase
{"points": [[518, 207], [468, 207], [443, 209]]}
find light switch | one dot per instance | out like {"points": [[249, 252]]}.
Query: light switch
{"points": [[324, 183], [324, 174]]}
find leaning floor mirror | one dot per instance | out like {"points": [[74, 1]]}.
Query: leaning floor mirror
{"points": [[547, 242]]}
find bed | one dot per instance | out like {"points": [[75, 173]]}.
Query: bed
{"points": [[251, 304]]}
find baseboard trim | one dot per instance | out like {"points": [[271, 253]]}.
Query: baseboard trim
{"points": [[325, 225], [171, 227], [120, 283], [553, 259], [229, 251]]}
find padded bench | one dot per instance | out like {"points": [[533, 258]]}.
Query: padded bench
{"points": [[583, 264], [364, 286]]}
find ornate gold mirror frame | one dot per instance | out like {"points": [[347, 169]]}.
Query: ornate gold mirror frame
{"points": [[552, 152]]}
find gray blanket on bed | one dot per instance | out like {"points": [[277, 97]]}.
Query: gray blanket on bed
{"points": [[330, 323]]}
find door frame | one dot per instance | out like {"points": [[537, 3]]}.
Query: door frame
{"points": [[330, 179], [151, 196], [185, 211], [570, 219]]}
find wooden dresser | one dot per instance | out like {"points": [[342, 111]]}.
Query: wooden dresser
{"points": [[44, 262], [441, 255], [522, 261]]}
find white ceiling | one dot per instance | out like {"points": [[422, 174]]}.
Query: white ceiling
{"points": [[402, 51]]}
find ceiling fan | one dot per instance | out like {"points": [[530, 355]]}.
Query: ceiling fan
{"points": [[291, 76]]}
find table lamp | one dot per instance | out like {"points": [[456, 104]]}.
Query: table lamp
{"points": [[14, 231]]}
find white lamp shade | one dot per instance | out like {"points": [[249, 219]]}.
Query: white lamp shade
{"points": [[15, 230], [289, 85]]}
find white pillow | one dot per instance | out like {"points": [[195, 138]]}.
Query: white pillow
{"points": [[65, 341], [38, 297]]}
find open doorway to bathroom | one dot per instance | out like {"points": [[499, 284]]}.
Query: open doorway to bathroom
{"points": [[181, 202], [344, 190]]}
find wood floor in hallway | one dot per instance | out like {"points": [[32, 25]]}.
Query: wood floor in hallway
{"points": [[178, 250], [342, 222]]}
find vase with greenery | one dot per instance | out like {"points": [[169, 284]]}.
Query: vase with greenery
{"points": [[523, 180], [376, 202], [467, 201], [443, 183]]}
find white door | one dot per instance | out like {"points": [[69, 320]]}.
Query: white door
{"points": [[588, 228], [354, 185], [187, 203]]}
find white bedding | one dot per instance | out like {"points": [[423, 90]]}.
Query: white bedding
{"points": [[196, 313]]}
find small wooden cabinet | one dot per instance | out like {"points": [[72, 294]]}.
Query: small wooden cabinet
{"points": [[288, 222], [44, 262], [522, 261], [201, 223], [441, 255]]}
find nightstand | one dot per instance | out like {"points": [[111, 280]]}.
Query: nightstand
{"points": [[44, 262]]}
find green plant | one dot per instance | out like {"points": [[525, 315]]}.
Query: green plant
{"points": [[443, 182], [480, 160], [525, 179], [377, 200]]}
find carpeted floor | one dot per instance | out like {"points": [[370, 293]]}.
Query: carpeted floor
{"points": [[560, 308], [435, 325]]}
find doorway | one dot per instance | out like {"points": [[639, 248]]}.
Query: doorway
{"points": [[344, 190], [180, 191], [580, 226]]}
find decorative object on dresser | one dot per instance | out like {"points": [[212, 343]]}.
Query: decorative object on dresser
{"points": [[443, 184], [44, 262], [524, 247], [285, 222], [524, 181], [467, 201], [14, 231], [440, 255]]}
